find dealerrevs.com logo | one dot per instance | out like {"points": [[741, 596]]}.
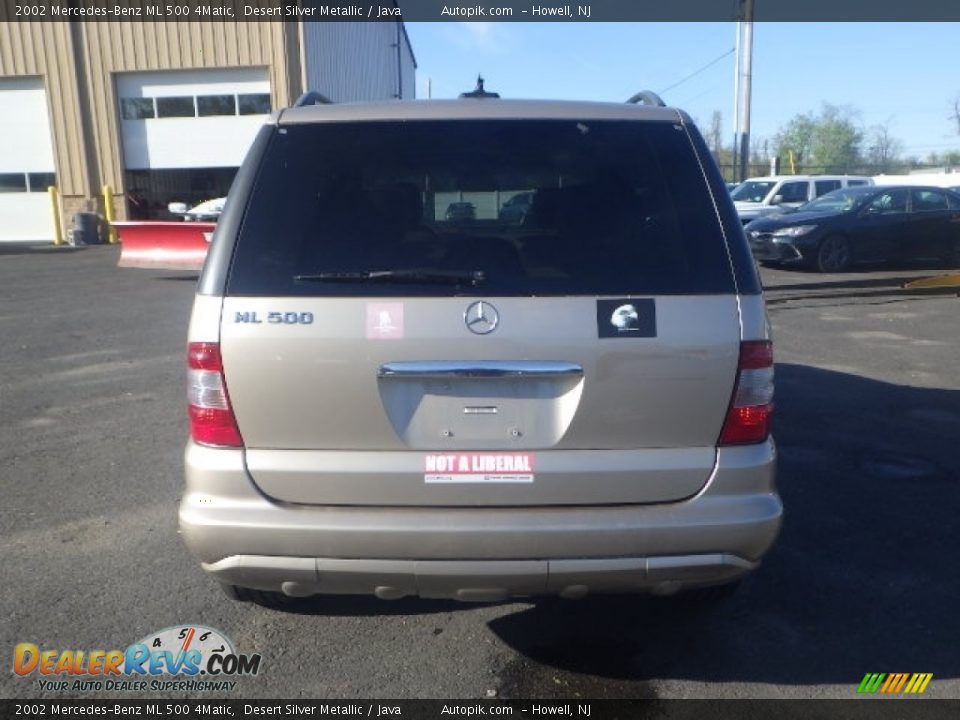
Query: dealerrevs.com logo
{"points": [[191, 657]]}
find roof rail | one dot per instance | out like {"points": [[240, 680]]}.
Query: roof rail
{"points": [[646, 97], [312, 98]]}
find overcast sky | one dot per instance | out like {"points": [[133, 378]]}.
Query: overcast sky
{"points": [[903, 74]]}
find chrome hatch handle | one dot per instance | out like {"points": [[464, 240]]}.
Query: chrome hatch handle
{"points": [[432, 369]]}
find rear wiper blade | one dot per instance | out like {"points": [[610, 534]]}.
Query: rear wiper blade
{"points": [[426, 277]]}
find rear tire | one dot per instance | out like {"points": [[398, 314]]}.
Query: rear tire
{"points": [[834, 254]]}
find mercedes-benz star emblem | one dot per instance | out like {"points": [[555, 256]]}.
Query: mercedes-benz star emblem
{"points": [[481, 317]]}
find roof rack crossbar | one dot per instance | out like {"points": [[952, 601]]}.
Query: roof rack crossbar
{"points": [[647, 97], [312, 98]]}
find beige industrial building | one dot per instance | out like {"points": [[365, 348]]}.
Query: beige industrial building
{"points": [[163, 111]]}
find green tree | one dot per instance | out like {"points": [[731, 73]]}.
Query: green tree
{"points": [[794, 141], [949, 158], [828, 142]]}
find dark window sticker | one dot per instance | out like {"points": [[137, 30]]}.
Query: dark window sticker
{"points": [[627, 318]]}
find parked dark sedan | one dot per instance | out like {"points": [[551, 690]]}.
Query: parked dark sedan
{"points": [[862, 224], [516, 209]]}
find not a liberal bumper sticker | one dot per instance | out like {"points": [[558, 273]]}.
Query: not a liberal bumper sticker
{"points": [[479, 468], [627, 318]]}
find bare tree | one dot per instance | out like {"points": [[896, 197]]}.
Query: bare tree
{"points": [[883, 150], [715, 137], [956, 112]]}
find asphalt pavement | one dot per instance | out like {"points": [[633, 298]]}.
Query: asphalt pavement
{"points": [[863, 579]]}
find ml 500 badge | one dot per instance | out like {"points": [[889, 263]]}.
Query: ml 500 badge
{"points": [[276, 318]]}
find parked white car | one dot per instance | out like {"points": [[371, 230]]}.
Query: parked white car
{"points": [[760, 196], [208, 210], [945, 180]]}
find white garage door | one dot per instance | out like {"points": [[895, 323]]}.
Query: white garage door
{"points": [[26, 161], [191, 118]]}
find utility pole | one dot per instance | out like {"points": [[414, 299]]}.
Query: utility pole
{"points": [[736, 109], [744, 77]]}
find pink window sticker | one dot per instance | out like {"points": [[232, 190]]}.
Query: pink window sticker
{"points": [[384, 321]]}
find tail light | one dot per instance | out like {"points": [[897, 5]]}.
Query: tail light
{"points": [[211, 417], [751, 408]]}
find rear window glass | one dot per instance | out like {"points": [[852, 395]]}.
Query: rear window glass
{"points": [[482, 208]]}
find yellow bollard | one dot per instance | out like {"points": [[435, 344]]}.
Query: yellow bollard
{"points": [[108, 212], [55, 209]]}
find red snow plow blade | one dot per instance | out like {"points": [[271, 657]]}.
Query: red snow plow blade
{"points": [[164, 245]]}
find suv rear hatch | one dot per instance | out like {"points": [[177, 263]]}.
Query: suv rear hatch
{"points": [[391, 337]]}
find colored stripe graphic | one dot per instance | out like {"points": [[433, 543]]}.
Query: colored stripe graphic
{"points": [[918, 683], [894, 683]]}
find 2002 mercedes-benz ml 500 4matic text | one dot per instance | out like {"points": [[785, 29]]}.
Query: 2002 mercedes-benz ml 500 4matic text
{"points": [[388, 398]]}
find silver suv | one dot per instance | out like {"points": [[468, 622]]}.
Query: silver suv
{"points": [[388, 397]]}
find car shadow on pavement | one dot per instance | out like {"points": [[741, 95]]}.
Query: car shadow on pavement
{"points": [[861, 269], [189, 277], [367, 605], [862, 579], [891, 282], [17, 248]]}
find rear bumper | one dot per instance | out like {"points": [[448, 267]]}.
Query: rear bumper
{"points": [[477, 580], [244, 538]]}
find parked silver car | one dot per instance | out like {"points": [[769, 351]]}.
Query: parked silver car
{"points": [[387, 401]]}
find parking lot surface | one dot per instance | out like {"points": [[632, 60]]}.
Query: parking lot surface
{"points": [[863, 578]]}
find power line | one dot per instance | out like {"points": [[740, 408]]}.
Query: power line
{"points": [[686, 101], [713, 62]]}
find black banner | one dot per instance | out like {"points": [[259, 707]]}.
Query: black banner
{"points": [[482, 11]]}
